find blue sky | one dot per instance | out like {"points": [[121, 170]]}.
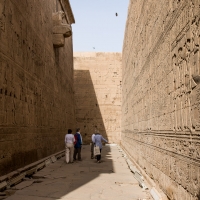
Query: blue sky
{"points": [[97, 29]]}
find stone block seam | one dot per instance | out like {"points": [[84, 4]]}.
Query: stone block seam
{"points": [[17, 176], [139, 177], [136, 173]]}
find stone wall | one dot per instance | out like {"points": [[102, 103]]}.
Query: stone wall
{"points": [[36, 81], [160, 93], [97, 83]]}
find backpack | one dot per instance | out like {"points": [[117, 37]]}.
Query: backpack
{"points": [[76, 139]]}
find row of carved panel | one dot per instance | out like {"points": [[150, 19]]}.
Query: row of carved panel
{"points": [[160, 92], [160, 165]]}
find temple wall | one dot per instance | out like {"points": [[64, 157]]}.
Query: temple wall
{"points": [[160, 93], [36, 83], [97, 83]]}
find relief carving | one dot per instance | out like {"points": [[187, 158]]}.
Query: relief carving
{"points": [[31, 84], [194, 187], [161, 92], [60, 30]]}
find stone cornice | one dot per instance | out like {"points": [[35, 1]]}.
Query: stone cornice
{"points": [[68, 11]]}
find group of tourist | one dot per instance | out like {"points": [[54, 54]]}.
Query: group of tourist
{"points": [[73, 145]]}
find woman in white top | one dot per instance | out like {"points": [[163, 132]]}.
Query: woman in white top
{"points": [[69, 146]]}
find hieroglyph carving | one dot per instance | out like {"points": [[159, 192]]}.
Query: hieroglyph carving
{"points": [[161, 92], [36, 91]]}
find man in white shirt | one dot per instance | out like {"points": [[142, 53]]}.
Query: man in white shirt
{"points": [[92, 146], [69, 146]]}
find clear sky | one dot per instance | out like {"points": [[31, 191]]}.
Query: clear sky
{"points": [[97, 27]]}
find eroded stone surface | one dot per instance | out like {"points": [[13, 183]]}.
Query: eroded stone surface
{"points": [[97, 82], [60, 29], [36, 83], [160, 93], [111, 179]]}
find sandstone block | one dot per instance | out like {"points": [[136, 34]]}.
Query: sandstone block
{"points": [[97, 80], [57, 18], [35, 81], [58, 40], [63, 29], [160, 92]]}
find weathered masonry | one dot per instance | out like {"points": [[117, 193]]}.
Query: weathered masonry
{"points": [[156, 118], [36, 80], [97, 84], [160, 93]]}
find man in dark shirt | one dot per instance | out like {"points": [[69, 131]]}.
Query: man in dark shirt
{"points": [[78, 145]]}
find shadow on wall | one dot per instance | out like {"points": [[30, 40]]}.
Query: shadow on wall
{"points": [[64, 181], [198, 195], [88, 114]]}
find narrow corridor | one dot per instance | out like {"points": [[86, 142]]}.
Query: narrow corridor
{"points": [[83, 180]]}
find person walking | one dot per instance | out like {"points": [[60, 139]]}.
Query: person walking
{"points": [[69, 146], [77, 145], [97, 140], [92, 146]]}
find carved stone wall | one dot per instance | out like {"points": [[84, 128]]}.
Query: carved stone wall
{"points": [[160, 93], [97, 83], [36, 83]]}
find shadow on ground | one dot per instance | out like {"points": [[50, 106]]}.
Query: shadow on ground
{"points": [[84, 180], [63, 181], [60, 180]]}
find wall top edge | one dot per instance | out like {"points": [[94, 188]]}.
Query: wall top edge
{"points": [[68, 10], [96, 54]]}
